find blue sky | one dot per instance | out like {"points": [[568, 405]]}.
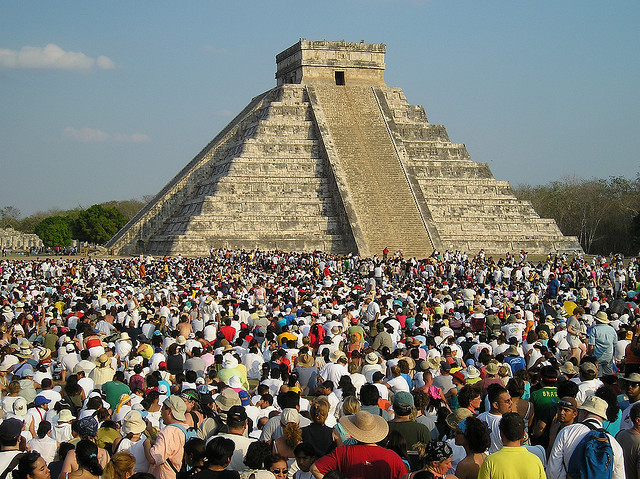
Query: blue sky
{"points": [[109, 100]]}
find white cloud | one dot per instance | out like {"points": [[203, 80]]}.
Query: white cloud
{"points": [[51, 57], [134, 138], [214, 50], [85, 135], [91, 135]]}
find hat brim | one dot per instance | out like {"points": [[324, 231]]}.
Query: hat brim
{"points": [[375, 435]]}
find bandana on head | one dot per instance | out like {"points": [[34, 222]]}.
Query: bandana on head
{"points": [[438, 451]]}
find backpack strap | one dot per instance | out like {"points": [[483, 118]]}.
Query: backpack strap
{"points": [[12, 465], [179, 426]]}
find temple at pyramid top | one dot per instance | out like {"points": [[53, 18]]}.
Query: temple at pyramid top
{"points": [[331, 62], [333, 159]]}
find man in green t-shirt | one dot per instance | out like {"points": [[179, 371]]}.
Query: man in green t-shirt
{"points": [[548, 394], [115, 388]]}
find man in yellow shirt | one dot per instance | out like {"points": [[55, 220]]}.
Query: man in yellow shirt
{"points": [[512, 460]]}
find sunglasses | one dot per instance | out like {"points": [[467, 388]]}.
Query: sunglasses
{"points": [[566, 405], [280, 471]]}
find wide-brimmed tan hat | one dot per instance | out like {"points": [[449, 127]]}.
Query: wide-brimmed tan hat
{"points": [[492, 368], [133, 423], [181, 341], [601, 317], [632, 378], [433, 363], [512, 351], [335, 356], [365, 427], [65, 416], [305, 360], [595, 405], [228, 398], [123, 337], [568, 368], [472, 372], [458, 415]]}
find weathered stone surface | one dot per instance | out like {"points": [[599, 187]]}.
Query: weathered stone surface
{"points": [[332, 159], [13, 240]]}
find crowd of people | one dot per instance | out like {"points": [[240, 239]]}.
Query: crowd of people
{"points": [[255, 364]]}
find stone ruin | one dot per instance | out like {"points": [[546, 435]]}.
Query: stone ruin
{"points": [[333, 159]]}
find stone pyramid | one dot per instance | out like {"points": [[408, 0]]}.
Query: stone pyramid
{"points": [[332, 159]]}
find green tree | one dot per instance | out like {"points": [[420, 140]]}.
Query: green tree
{"points": [[54, 231], [98, 224]]}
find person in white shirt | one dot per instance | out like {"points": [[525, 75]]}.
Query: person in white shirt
{"points": [[590, 415]]}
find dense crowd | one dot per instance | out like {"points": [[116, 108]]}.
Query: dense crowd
{"points": [[272, 364]]}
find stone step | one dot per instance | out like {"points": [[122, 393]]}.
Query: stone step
{"points": [[384, 205]]}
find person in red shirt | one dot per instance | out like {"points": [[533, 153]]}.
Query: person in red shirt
{"points": [[228, 331], [364, 460]]}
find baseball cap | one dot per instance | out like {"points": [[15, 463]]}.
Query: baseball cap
{"points": [[403, 399]]}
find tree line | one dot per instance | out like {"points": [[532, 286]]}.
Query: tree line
{"points": [[603, 213], [58, 228]]}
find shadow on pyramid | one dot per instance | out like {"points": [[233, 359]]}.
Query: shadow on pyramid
{"points": [[334, 160]]}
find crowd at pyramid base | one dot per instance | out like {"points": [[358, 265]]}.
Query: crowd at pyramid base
{"points": [[334, 160]]}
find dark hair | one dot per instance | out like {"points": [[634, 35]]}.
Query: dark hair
{"points": [[195, 449], [64, 449], [271, 459], [515, 386], [476, 435], [608, 394], [87, 457], [369, 395], [512, 426], [43, 428], [567, 388], [257, 452], [289, 399], [397, 443], [26, 465], [466, 394], [494, 391], [219, 451], [304, 448]]}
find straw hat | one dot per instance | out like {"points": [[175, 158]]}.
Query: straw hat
{"points": [[305, 360], [457, 416], [335, 356], [371, 358], [602, 317], [103, 359], [568, 368], [632, 378], [365, 427], [181, 341]]}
